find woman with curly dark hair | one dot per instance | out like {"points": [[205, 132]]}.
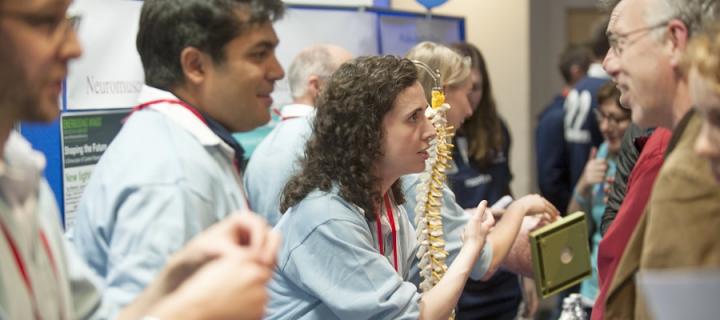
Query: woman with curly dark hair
{"points": [[348, 245]]}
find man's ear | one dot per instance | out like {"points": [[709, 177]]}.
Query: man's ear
{"points": [[313, 85], [194, 64], [678, 36]]}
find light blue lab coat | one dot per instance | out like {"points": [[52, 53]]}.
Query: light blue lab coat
{"points": [[164, 179]]}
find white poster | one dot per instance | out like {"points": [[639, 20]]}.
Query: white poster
{"points": [[109, 73], [300, 28], [400, 33]]}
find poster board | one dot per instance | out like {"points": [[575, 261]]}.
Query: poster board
{"points": [[109, 75], [84, 136]]}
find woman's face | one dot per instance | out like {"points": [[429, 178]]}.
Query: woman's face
{"points": [[613, 122], [407, 135], [457, 96], [707, 100], [476, 92]]}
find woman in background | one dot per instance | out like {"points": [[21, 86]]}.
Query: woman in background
{"points": [[590, 195], [703, 67], [482, 172]]}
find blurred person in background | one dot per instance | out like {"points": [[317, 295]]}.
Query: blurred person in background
{"points": [[481, 171], [41, 276], [590, 195], [553, 169], [703, 68]]}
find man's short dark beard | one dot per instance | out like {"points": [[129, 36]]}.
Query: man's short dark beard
{"points": [[15, 90]]}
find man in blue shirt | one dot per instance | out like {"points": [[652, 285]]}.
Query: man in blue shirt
{"points": [[173, 170], [269, 167]]}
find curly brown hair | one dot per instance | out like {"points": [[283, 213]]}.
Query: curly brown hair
{"points": [[345, 144]]}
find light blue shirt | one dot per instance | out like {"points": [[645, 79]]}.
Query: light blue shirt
{"points": [[596, 206], [62, 285], [269, 169], [165, 178], [330, 265], [276, 159]]}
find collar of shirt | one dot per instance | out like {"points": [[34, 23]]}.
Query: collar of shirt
{"points": [[184, 118], [21, 169], [226, 136], [296, 111], [596, 70]]}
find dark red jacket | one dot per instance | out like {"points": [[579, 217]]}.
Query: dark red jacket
{"points": [[639, 186]]}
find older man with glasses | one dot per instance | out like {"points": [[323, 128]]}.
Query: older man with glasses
{"points": [[221, 274], [648, 40]]}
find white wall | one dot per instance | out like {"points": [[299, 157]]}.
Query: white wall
{"points": [[501, 30]]}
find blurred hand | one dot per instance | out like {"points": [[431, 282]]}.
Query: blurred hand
{"points": [[220, 274], [497, 212], [239, 231], [594, 171], [534, 204], [230, 287]]}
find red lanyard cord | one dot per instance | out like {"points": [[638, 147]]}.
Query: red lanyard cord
{"points": [[171, 101], [393, 231], [21, 264]]}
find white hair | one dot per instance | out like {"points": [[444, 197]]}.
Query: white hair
{"points": [[317, 61], [696, 14]]}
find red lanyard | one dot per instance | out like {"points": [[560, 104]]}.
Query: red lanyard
{"points": [[282, 118], [23, 271], [171, 101], [197, 114], [393, 231]]}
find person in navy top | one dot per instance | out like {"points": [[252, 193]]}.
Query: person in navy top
{"points": [[551, 151], [581, 129]]}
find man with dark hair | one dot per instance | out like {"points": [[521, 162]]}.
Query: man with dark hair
{"points": [[552, 159], [574, 64], [174, 168], [41, 276]]}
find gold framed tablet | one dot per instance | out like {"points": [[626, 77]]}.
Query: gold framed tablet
{"points": [[561, 254]]}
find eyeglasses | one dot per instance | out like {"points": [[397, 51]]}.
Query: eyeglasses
{"points": [[612, 120], [619, 41], [53, 27]]}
